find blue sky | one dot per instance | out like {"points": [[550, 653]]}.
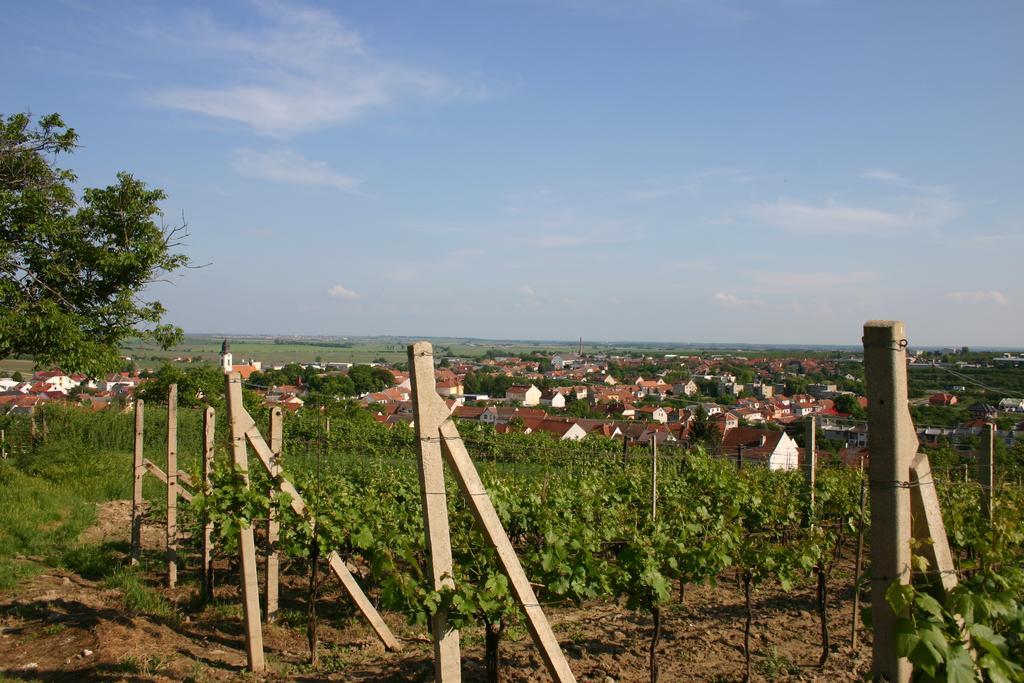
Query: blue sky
{"points": [[678, 170]]}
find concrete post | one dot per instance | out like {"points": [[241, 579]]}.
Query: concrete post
{"points": [[172, 486], [986, 468], [246, 542], [138, 473], [428, 416], [893, 445], [209, 423], [273, 523]]}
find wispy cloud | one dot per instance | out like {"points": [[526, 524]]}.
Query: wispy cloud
{"points": [[730, 300], [290, 167], [526, 290], [916, 206], [341, 292], [299, 69], [991, 296], [828, 218], [719, 11], [689, 184], [800, 281]]}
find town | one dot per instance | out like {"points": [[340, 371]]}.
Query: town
{"points": [[749, 406]]}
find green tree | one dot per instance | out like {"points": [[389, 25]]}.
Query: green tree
{"points": [[848, 405], [197, 386], [72, 271], [703, 431]]}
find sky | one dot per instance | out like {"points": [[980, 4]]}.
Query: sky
{"points": [[769, 171]]}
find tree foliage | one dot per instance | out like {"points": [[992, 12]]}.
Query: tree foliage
{"points": [[72, 270]]}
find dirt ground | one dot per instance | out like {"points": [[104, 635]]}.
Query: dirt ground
{"points": [[59, 626]]}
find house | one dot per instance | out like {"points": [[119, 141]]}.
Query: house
{"points": [[554, 399], [55, 380], [942, 400], [726, 421], [687, 388], [449, 387], [527, 396], [764, 446], [652, 413], [983, 410], [565, 431], [1010, 405], [751, 415]]}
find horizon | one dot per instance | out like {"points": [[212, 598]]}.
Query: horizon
{"points": [[575, 342]]}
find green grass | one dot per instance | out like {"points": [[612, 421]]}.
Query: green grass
{"points": [[138, 597], [47, 498]]}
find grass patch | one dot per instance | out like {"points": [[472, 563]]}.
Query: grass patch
{"points": [[138, 597]]}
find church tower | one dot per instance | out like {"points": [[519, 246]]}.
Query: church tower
{"points": [[225, 356]]}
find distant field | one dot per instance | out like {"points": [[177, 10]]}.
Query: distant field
{"points": [[12, 365], [206, 348], [361, 351]]}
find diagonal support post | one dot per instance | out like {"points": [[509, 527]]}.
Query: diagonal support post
{"points": [[249, 432], [428, 404], [927, 522]]}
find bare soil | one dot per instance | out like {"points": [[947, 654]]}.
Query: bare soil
{"points": [[59, 626]]}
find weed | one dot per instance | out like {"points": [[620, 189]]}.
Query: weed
{"points": [[334, 661], [774, 665], [54, 629]]}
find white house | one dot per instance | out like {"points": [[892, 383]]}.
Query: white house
{"points": [[773, 448], [527, 396], [554, 399], [1015, 405]]}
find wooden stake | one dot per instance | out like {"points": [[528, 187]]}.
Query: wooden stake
{"points": [[857, 574], [172, 486], [986, 469], [138, 472], [428, 414], [893, 445], [246, 542], [654, 477], [811, 451], [209, 424], [273, 523]]}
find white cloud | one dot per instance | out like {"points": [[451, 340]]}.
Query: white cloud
{"points": [[300, 69], [287, 166], [341, 292], [978, 297], [526, 290]]}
